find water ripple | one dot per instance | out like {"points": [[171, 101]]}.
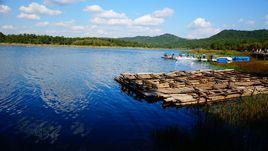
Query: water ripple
{"points": [[49, 93]]}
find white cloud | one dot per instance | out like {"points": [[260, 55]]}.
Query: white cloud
{"points": [[60, 2], [148, 20], [200, 23], [201, 28], [110, 17], [203, 33], [105, 23], [112, 21], [7, 27], [166, 12], [93, 8], [241, 20], [109, 23], [111, 14], [78, 28], [246, 21], [157, 18], [119, 21], [35, 8], [250, 22], [42, 24], [64, 23], [98, 20], [120, 31], [28, 16], [4, 9]]}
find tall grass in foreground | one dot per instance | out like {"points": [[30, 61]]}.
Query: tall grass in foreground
{"points": [[240, 125], [248, 112]]}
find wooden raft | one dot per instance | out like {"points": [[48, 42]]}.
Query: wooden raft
{"points": [[182, 88]]}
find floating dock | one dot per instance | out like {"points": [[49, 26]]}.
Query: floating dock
{"points": [[183, 88]]}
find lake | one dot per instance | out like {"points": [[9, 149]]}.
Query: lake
{"points": [[62, 98]]}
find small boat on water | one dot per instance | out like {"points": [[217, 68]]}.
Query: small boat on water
{"points": [[168, 56]]}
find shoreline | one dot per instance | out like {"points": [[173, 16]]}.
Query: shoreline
{"points": [[86, 46]]}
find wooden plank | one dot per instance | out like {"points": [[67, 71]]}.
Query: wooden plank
{"points": [[143, 76], [183, 98], [176, 90]]}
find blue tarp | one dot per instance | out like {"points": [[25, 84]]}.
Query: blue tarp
{"points": [[222, 60], [241, 59]]}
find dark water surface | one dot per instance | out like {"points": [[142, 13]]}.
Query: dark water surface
{"points": [[59, 98]]}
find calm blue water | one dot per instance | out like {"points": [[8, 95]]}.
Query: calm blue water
{"points": [[58, 98]]}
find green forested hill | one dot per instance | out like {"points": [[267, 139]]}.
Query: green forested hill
{"points": [[166, 40], [241, 35], [227, 39]]}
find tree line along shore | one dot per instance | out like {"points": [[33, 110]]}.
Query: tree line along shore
{"points": [[59, 40], [225, 40]]}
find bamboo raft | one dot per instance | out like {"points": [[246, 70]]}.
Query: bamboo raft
{"points": [[183, 88]]}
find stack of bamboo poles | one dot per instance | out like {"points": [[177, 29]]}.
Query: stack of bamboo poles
{"points": [[186, 88]]}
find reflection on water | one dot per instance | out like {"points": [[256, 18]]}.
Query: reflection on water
{"points": [[59, 96], [41, 130]]}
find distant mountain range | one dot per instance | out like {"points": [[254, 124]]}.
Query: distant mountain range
{"points": [[226, 39]]}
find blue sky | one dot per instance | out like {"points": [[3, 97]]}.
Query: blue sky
{"points": [[125, 18]]}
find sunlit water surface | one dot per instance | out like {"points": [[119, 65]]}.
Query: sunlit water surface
{"points": [[60, 98]]}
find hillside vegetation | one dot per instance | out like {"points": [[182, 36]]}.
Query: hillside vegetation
{"points": [[225, 40], [57, 40]]}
